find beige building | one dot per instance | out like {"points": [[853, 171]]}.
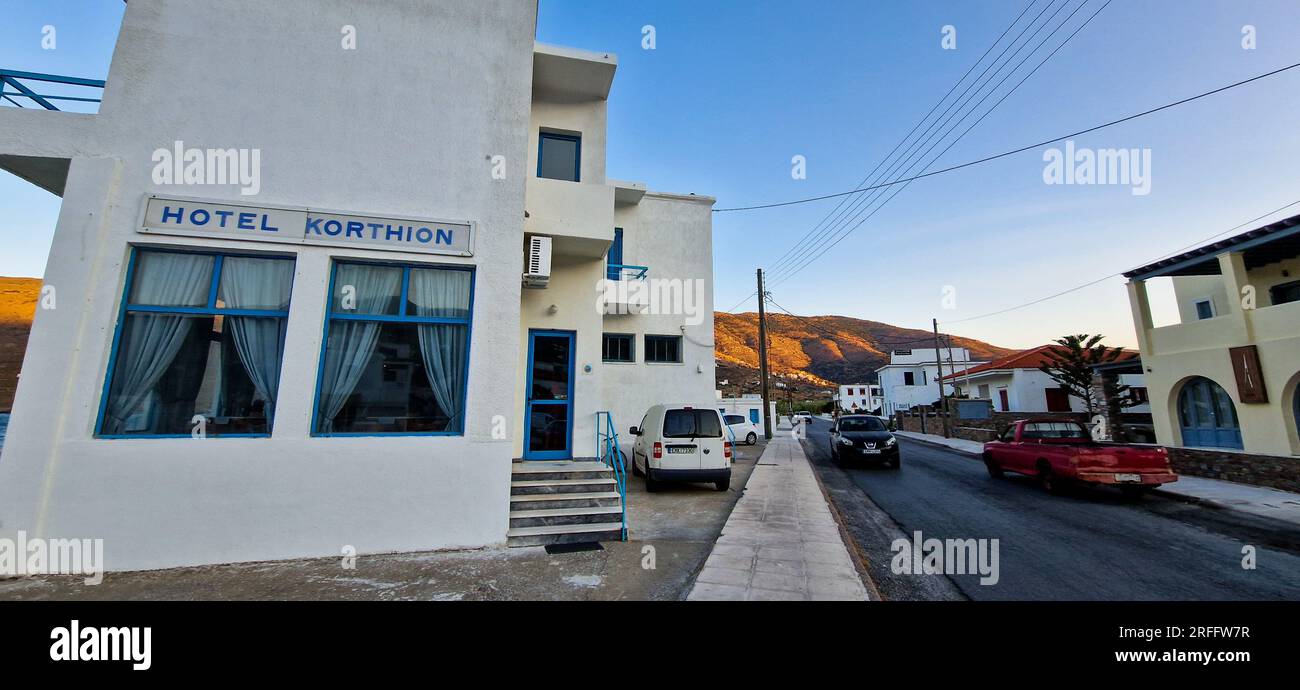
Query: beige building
{"points": [[1225, 376]]}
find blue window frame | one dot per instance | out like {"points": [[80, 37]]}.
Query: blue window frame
{"points": [[753, 416], [663, 349], [614, 260], [198, 346], [559, 156], [618, 347], [1207, 417], [395, 360]]}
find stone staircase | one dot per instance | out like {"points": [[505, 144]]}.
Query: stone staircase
{"points": [[563, 502]]}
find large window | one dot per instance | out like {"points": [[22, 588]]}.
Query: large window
{"points": [[396, 351], [558, 156], [617, 347], [198, 346], [663, 348]]}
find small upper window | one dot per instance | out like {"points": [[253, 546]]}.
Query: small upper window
{"points": [[1204, 309], [1285, 293], [617, 347], [663, 348], [558, 156]]}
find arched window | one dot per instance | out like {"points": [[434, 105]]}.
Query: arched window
{"points": [[1207, 416]]}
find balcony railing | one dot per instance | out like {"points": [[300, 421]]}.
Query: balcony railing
{"points": [[15, 85], [626, 272]]}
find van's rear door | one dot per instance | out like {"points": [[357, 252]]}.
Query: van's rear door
{"points": [[682, 447]]}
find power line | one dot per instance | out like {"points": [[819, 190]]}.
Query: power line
{"points": [[834, 335], [1120, 273], [1019, 150], [899, 190], [915, 127], [903, 165]]}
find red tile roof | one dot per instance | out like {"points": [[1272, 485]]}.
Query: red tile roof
{"points": [[1025, 359]]}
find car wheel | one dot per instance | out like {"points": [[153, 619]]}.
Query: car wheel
{"points": [[995, 470], [636, 471], [1047, 479], [751, 439], [722, 484]]}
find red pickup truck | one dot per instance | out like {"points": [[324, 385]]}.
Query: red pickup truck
{"points": [[1061, 452]]}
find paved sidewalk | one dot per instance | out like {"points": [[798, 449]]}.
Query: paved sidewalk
{"points": [[780, 542], [1256, 500], [958, 444]]}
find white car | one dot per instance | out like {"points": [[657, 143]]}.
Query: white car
{"points": [[684, 443], [742, 430], [803, 417]]}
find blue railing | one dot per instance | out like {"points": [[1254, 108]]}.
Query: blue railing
{"points": [[626, 272], [13, 78], [612, 456]]}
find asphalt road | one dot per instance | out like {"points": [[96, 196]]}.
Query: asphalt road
{"points": [[1089, 545]]}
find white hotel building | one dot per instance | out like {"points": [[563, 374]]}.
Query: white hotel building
{"points": [[350, 355]]}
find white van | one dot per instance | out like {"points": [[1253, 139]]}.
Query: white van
{"points": [[686, 443]]}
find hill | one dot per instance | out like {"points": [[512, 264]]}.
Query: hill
{"points": [[18, 297]]}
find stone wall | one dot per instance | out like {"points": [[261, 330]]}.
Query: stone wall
{"points": [[1244, 468]]}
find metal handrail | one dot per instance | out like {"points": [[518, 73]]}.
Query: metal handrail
{"points": [[9, 77], [637, 272], [612, 456]]}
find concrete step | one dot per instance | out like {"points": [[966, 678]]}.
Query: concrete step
{"points": [[564, 534], [556, 466], [561, 486], [540, 475], [594, 499], [564, 516]]}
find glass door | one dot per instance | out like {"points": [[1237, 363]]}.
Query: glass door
{"points": [[549, 403]]}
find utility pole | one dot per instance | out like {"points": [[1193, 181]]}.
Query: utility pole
{"points": [[762, 356], [938, 360]]}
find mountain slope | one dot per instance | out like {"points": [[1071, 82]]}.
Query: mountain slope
{"points": [[18, 297], [830, 349]]}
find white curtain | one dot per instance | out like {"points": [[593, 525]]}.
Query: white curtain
{"points": [[248, 283], [351, 343], [150, 342], [444, 347]]}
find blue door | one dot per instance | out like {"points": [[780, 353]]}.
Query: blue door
{"points": [[548, 430], [1207, 416], [753, 415]]}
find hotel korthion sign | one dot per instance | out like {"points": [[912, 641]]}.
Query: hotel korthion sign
{"points": [[285, 225]]}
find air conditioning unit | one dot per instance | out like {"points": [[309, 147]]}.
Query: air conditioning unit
{"points": [[537, 265]]}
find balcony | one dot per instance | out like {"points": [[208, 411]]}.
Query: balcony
{"points": [[20, 89], [579, 216], [625, 290]]}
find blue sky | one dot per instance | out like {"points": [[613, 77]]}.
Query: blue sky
{"points": [[733, 90]]}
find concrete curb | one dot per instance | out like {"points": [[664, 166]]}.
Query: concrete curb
{"points": [[859, 559], [940, 445]]}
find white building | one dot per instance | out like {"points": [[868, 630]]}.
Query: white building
{"points": [[859, 397], [749, 406], [912, 376], [1016, 384], [337, 351]]}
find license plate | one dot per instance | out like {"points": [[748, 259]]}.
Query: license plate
{"points": [[1130, 478], [871, 451], [679, 450]]}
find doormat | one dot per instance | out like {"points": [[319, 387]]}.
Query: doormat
{"points": [[554, 549]]}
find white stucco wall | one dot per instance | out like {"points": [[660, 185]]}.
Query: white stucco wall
{"points": [[395, 127]]}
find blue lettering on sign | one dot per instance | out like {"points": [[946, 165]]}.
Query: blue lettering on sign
{"points": [[246, 221], [313, 225], [355, 227], [374, 230], [268, 228], [168, 214], [333, 227], [392, 232], [194, 217], [224, 215], [423, 235], [444, 236]]}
